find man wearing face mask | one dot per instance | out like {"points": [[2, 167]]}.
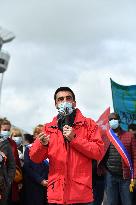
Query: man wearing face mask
{"points": [[120, 163], [71, 141]]}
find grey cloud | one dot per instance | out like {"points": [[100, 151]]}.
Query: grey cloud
{"points": [[70, 22], [76, 43]]}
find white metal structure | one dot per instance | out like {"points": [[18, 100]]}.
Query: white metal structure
{"points": [[4, 59], [5, 37]]}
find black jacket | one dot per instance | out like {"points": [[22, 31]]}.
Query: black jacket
{"points": [[7, 168]]}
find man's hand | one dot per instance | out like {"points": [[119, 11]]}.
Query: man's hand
{"points": [[20, 186], [44, 182], [68, 133], [131, 186], [44, 139]]}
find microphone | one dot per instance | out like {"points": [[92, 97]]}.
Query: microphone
{"points": [[67, 120]]}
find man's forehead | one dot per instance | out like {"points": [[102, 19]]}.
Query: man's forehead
{"points": [[113, 116], [63, 94]]}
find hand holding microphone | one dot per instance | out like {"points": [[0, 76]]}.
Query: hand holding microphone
{"points": [[68, 133]]}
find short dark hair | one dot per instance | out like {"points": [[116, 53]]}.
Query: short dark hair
{"points": [[115, 114], [64, 89], [132, 126], [28, 137], [4, 121]]}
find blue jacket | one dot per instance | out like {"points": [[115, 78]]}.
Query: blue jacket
{"points": [[36, 171], [34, 192]]}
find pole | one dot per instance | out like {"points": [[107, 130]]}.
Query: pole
{"points": [[1, 82], [5, 37]]}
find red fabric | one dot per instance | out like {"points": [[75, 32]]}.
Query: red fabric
{"points": [[127, 139], [103, 123], [129, 142], [70, 164], [14, 189]]}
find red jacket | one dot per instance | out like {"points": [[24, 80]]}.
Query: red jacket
{"points": [[129, 141], [70, 164], [14, 189]]}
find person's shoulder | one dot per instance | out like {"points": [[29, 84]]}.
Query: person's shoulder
{"points": [[27, 147], [5, 145], [127, 134], [52, 123], [12, 142], [87, 120], [90, 122]]}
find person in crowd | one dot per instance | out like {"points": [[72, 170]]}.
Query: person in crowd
{"points": [[7, 164], [37, 130], [15, 191], [35, 176], [28, 139], [17, 136], [119, 178], [132, 129], [71, 141]]}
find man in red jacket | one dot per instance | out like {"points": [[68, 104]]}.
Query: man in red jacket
{"points": [[71, 141], [118, 143]]}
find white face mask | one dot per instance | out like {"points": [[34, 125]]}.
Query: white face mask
{"points": [[114, 124], [4, 135], [65, 108], [18, 140]]}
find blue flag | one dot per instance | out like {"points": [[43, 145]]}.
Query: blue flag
{"points": [[124, 103]]}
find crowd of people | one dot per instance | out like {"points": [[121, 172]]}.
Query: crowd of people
{"points": [[68, 161], [22, 182]]}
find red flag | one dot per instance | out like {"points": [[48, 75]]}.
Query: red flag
{"points": [[104, 125], [103, 121]]}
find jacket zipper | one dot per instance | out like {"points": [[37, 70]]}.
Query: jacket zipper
{"points": [[66, 174]]}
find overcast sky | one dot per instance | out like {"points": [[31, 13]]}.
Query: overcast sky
{"points": [[76, 43]]}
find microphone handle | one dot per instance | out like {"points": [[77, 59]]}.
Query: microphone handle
{"points": [[67, 120]]}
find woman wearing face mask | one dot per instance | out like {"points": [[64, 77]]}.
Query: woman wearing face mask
{"points": [[17, 136], [119, 146]]}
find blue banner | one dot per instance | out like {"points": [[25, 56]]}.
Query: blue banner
{"points": [[124, 103]]}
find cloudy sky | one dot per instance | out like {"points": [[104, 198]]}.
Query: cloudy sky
{"points": [[76, 43]]}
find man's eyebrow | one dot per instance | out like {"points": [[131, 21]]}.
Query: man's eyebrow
{"points": [[65, 96], [60, 97]]}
